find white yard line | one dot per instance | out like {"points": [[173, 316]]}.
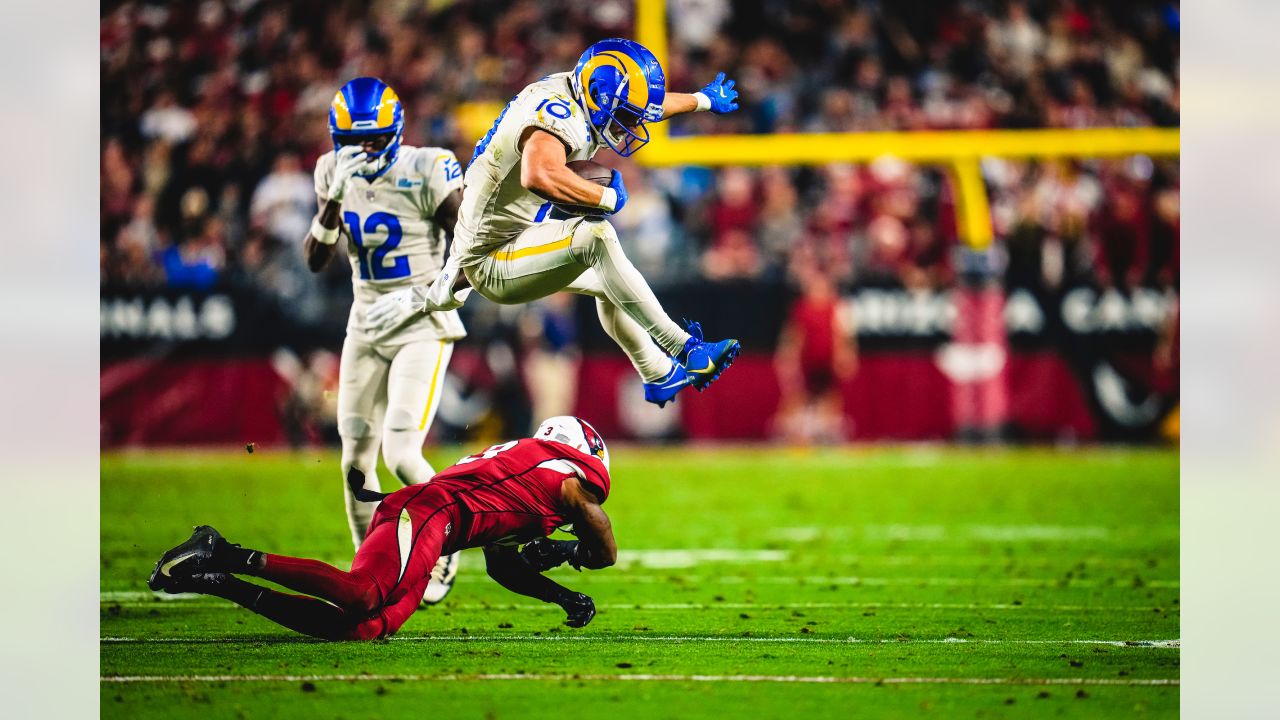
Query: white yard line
{"points": [[985, 533], [667, 559], [127, 596], [1175, 644], [641, 677], [143, 600]]}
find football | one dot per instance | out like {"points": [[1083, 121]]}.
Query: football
{"points": [[594, 172]]}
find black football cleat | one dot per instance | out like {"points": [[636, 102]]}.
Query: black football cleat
{"points": [[203, 583], [196, 555]]}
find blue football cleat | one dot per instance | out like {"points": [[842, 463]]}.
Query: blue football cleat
{"points": [[704, 361], [665, 390]]}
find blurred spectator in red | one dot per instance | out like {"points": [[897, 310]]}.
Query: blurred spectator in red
{"points": [[734, 207], [731, 218], [1166, 234], [117, 183], [880, 252], [735, 257], [817, 354], [1123, 229]]}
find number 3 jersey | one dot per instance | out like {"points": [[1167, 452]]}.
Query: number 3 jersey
{"points": [[393, 241], [510, 493], [497, 207]]}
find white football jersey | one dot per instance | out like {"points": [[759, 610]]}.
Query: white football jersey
{"points": [[393, 241], [496, 207]]}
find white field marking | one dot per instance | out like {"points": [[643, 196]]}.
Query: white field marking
{"points": [[1162, 644], [643, 677], [213, 603], [610, 579], [1091, 564], [933, 533], [607, 578], [665, 559], [993, 533]]}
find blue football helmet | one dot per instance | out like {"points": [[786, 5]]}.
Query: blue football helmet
{"points": [[363, 109], [620, 85]]}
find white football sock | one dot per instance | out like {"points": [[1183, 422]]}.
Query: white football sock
{"points": [[361, 454], [624, 286]]}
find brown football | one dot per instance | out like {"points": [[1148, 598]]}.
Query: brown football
{"points": [[594, 172]]}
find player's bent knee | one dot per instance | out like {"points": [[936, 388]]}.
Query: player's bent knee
{"points": [[354, 427], [401, 419], [595, 230], [406, 468], [368, 629], [367, 599]]}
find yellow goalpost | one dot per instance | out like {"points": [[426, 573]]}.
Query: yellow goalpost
{"points": [[959, 150]]}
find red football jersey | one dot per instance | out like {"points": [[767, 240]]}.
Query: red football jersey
{"points": [[511, 492]]}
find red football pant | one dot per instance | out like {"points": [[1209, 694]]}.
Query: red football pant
{"points": [[387, 578]]}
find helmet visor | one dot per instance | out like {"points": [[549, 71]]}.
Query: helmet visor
{"points": [[373, 144], [625, 130]]}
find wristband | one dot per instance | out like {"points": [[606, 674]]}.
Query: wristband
{"points": [[704, 102], [322, 234], [608, 200]]}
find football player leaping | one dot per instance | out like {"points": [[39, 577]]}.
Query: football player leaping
{"points": [[395, 204], [510, 252]]}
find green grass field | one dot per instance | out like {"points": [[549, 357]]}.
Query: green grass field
{"points": [[879, 582]]}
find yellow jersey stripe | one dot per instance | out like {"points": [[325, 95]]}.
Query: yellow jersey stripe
{"points": [[530, 251]]}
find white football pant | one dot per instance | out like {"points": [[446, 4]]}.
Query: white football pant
{"points": [[583, 255], [388, 396]]}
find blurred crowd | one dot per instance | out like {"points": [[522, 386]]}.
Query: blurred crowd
{"points": [[832, 66], [214, 114]]}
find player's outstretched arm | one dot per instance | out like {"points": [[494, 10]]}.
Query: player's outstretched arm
{"points": [[543, 172], [505, 566], [509, 570], [596, 546], [718, 96]]}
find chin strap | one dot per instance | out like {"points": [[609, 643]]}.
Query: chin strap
{"points": [[355, 481]]}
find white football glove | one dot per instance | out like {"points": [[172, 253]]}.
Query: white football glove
{"points": [[350, 160], [439, 295], [394, 308], [397, 306]]}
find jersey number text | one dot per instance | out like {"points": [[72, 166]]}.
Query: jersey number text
{"points": [[373, 260]]}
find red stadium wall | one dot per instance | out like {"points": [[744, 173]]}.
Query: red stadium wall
{"points": [[189, 368], [894, 396], [190, 402]]}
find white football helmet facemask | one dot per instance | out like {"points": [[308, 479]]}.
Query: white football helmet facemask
{"points": [[576, 433]]}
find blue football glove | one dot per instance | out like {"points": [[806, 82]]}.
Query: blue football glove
{"points": [[616, 185], [723, 97]]}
